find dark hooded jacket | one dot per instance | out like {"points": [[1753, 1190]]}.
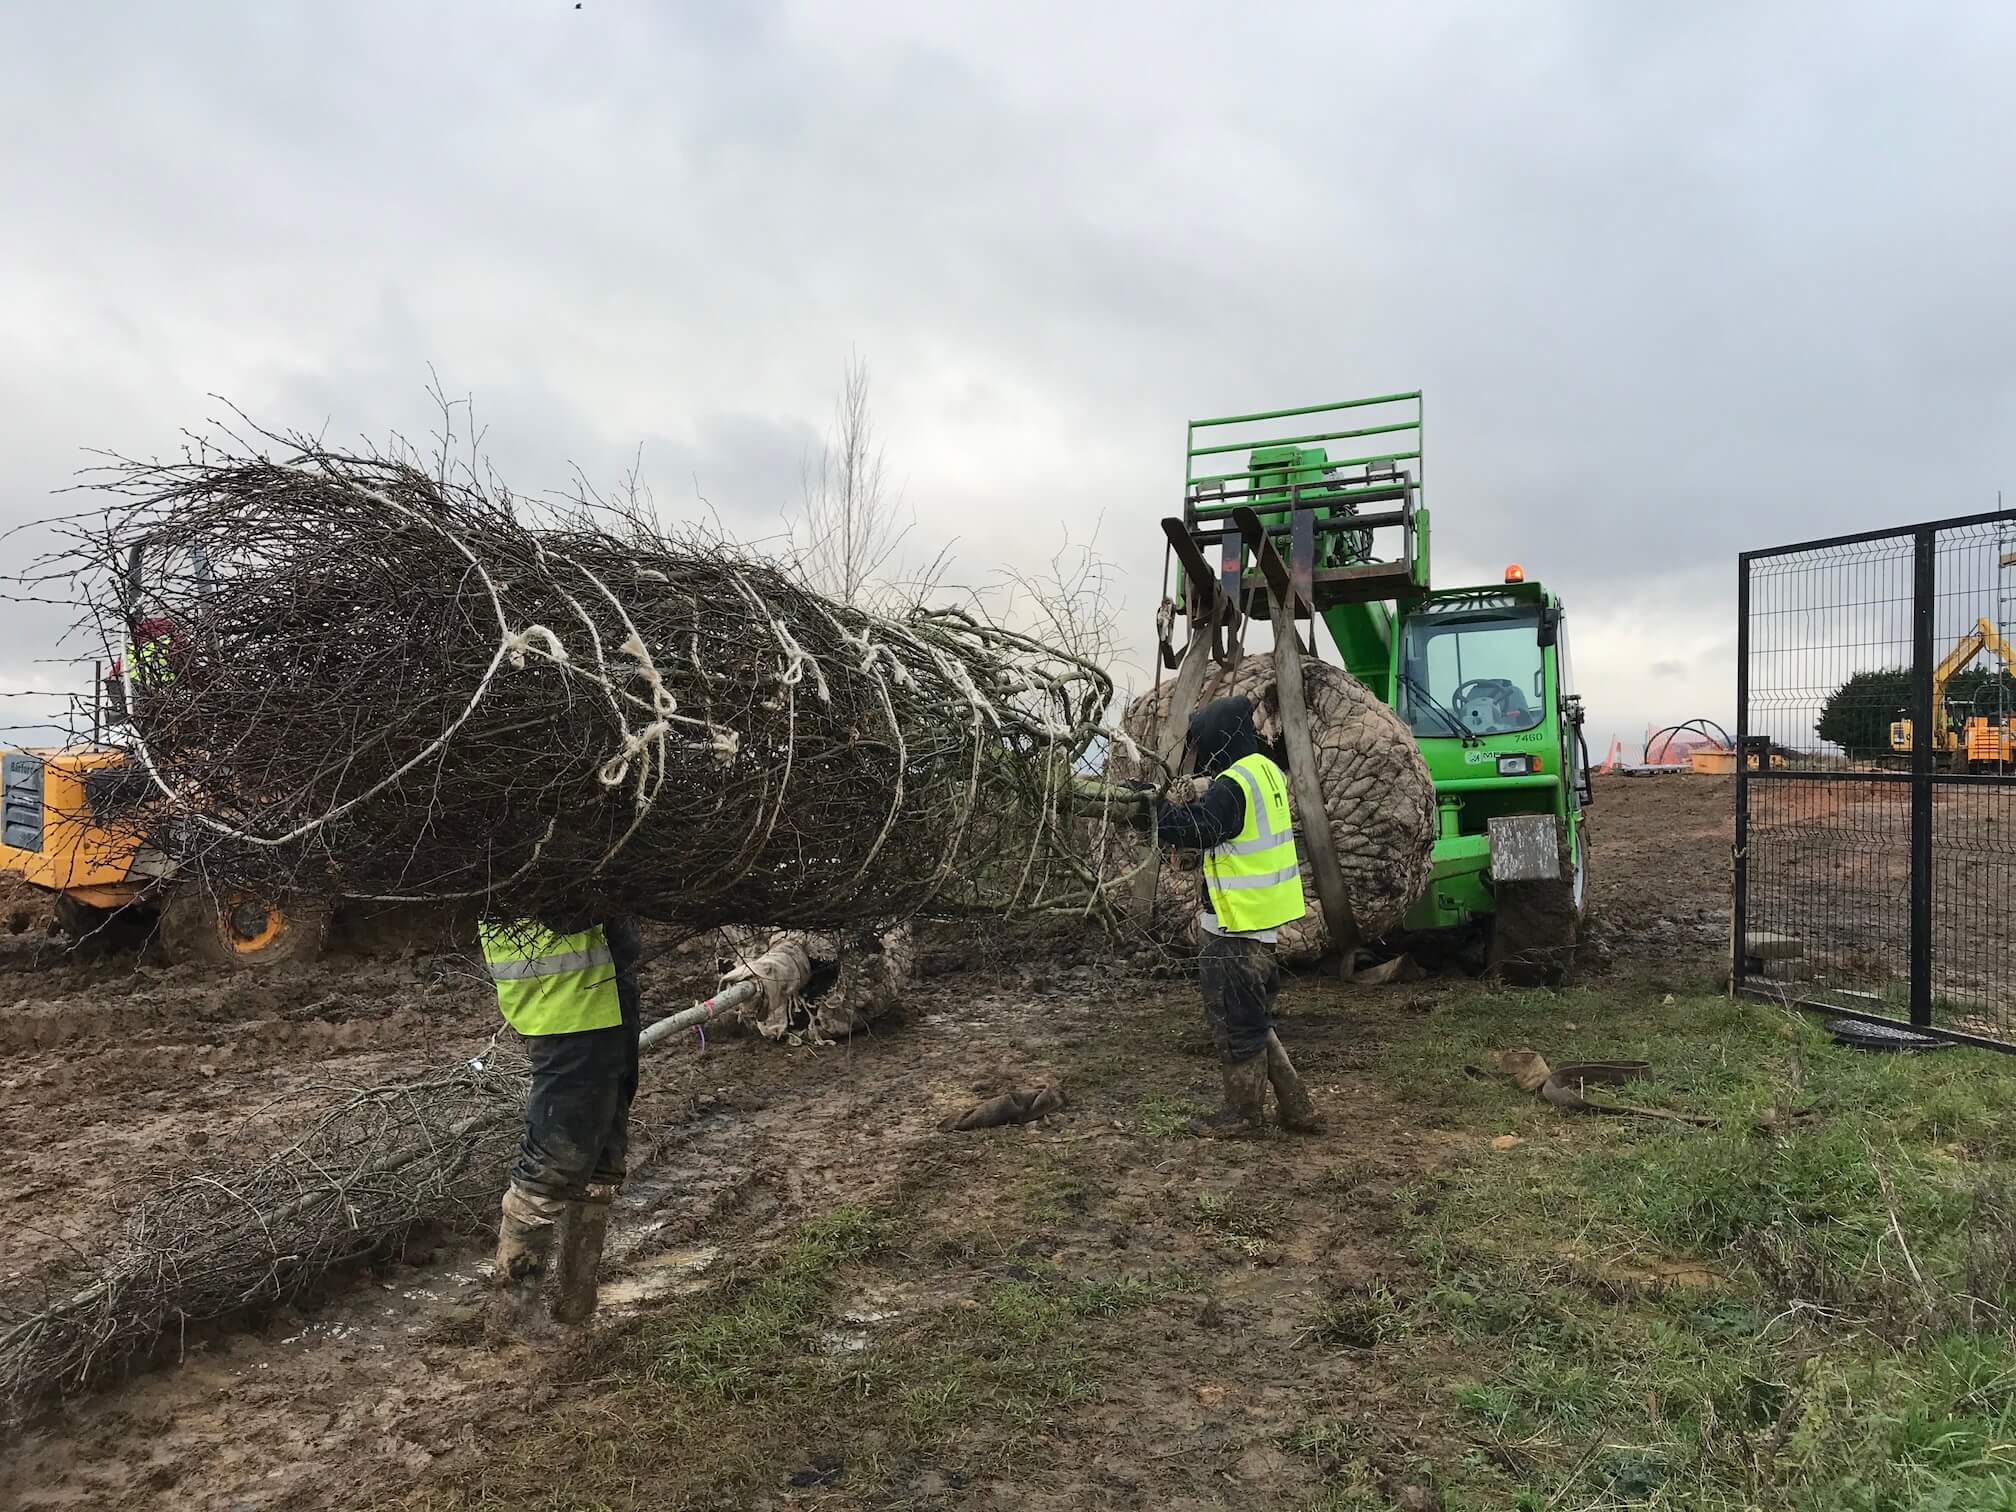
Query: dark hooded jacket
{"points": [[1221, 733]]}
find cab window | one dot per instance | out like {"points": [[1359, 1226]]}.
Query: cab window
{"points": [[1479, 672]]}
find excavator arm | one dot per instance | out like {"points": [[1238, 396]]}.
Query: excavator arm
{"points": [[1991, 639], [1954, 662], [1985, 636]]}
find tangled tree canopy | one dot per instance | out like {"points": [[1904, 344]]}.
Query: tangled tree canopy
{"points": [[352, 675]]}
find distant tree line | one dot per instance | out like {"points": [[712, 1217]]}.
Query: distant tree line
{"points": [[1857, 715]]}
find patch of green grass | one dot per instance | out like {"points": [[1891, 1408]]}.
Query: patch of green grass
{"points": [[1026, 1312], [1095, 1298], [1331, 1442], [1343, 1453], [1238, 1221], [1358, 1319], [716, 1370], [727, 1353], [1028, 1351], [1167, 1117], [1362, 1495], [932, 1406], [1054, 1193], [1749, 1426], [709, 1400], [1840, 1337], [1020, 1357]]}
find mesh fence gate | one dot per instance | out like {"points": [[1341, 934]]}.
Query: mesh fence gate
{"points": [[1876, 787]]}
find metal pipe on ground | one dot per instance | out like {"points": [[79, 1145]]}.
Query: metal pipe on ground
{"points": [[728, 1000]]}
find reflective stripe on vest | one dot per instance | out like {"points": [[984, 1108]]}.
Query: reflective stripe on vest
{"points": [[551, 983], [1253, 879]]}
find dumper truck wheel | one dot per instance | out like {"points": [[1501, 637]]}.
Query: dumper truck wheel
{"points": [[235, 929], [94, 931]]}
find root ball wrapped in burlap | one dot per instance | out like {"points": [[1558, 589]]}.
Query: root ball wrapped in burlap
{"points": [[818, 988], [1376, 791]]}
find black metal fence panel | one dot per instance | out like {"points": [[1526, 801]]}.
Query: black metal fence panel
{"points": [[1876, 783]]}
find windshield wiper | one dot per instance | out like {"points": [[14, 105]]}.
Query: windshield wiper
{"points": [[1463, 734]]}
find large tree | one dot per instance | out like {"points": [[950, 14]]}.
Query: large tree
{"points": [[1857, 714]]}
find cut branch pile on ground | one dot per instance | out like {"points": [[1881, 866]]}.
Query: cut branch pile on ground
{"points": [[384, 684], [347, 1184], [231, 1237]]}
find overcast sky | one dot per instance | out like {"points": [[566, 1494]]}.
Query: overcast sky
{"points": [[1676, 280]]}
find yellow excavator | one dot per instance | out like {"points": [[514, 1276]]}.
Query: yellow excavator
{"points": [[77, 823], [74, 823], [66, 829], [1979, 742]]}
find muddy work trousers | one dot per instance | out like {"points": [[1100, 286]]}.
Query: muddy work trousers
{"points": [[577, 1121], [1241, 978]]}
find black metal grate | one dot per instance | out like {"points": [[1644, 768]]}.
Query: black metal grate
{"points": [[21, 800], [1875, 870]]}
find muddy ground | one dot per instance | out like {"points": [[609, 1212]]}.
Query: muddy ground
{"points": [[117, 1072]]}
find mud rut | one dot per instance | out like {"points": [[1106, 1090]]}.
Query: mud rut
{"points": [[115, 1070]]}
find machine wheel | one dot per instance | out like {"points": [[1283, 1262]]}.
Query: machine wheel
{"points": [[1534, 929], [95, 931], [78, 920], [238, 930]]}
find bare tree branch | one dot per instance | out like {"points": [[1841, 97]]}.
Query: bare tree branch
{"points": [[851, 526]]}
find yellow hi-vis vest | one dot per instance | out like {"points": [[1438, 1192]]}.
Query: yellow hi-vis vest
{"points": [[149, 661], [551, 983], [1253, 879]]}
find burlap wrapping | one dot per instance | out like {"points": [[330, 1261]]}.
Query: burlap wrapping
{"points": [[1376, 790]]}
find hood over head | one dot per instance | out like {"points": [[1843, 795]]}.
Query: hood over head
{"points": [[1221, 733]]}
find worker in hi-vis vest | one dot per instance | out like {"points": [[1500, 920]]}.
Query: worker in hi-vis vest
{"points": [[571, 993], [1252, 885]]}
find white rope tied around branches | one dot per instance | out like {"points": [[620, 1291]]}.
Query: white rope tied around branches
{"points": [[613, 721], [760, 833], [519, 644], [872, 655], [799, 660], [957, 675], [505, 646], [514, 648]]}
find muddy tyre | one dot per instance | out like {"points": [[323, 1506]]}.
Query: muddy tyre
{"points": [[94, 932], [239, 931], [1534, 931]]}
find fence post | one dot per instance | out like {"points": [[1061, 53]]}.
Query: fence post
{"points": [[1739, 913], [1924, 758]]}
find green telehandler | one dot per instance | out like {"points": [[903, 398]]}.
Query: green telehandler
{"points": [[1277, 529]]}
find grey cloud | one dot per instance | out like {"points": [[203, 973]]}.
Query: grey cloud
{"points": [[1676, 283]]}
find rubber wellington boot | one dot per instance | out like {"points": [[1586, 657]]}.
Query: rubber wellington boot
{"points": [[1245, 1110], [525, 1236], [577, 1265], [1292, 1101]]}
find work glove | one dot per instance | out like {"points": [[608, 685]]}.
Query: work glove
{"points": [[1141, 816]]}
